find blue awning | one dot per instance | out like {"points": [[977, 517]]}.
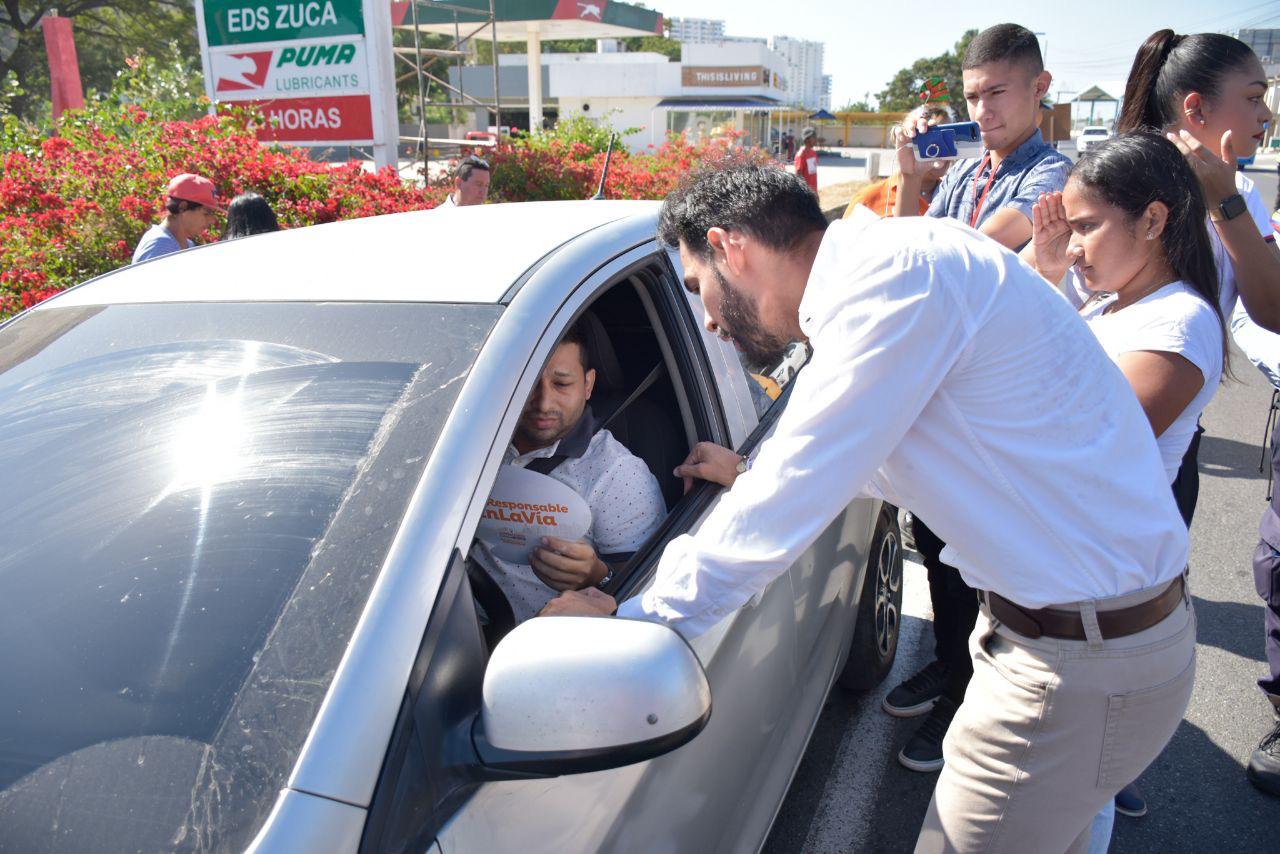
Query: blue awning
{"points": [[721, 104], [821, 114]]}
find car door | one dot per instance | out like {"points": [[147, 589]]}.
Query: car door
{"points": [[823, 579], [704, 796]]}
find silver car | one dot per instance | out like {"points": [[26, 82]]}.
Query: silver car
{"points": [[241, 483]]}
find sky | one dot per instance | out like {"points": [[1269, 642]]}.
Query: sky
{"points": [[1085, 41]]}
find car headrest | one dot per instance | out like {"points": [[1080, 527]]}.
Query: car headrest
{"points": [[601, 355]]}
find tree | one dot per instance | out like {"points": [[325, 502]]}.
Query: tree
{"points": [[856, 107], [107, 31], [903, 92]]}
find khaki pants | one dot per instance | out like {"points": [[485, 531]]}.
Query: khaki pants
{"points": [[1050, 730]]}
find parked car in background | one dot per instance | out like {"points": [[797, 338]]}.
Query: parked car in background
{"points": [[1091, 136], [235, 601]]}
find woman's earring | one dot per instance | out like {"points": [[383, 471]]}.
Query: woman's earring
{"points": [[1150, 236]]}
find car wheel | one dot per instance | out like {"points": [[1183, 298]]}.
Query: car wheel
{"points": [[875, 634]]}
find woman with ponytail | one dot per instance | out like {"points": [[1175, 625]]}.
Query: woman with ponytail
{"points": [[1206, 92]]}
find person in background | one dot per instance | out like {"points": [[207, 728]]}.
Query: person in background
{"points": [[190, 210], [470, 183], [1004, 82], [1207, 91], [807, 158], [249, 214], [881, 196]]}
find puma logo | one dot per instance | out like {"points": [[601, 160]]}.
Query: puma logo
{"points": [[589, 9]]}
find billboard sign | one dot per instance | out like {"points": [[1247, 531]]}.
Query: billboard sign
{"points": [[319, 70], [724, 75]]}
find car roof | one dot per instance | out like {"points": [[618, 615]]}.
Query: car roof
{"points": [[469, 254]]}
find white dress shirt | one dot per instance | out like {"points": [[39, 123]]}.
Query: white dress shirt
{"points": [[1261, 346], [948, 378]]}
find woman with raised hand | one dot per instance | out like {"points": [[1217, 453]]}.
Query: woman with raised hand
{"points": [[1128, 234], [1207, 93]]}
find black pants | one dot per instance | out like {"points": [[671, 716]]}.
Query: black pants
{"points": [[1186, 486], [955, 611], [1266, 579]]}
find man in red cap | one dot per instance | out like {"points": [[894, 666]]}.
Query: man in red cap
{"points": [[191, 205]]}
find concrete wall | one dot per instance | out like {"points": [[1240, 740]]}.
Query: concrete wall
{"points": [[622, 113], [596, 81]]}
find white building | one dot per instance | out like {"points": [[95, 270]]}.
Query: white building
{"points": [[714, 90], [696, 30], [804, 71], [826, 92]]}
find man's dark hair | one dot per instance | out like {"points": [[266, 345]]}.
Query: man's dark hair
{"points": [[773, 206], [577, 334], [1004, 43], [177, 206], [469, 165]]}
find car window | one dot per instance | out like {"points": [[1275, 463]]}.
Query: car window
{"points": [[207, 493], [766, 383]]}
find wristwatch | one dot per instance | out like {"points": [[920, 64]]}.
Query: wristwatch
{"points": [[1230, 208], [743, 466]]}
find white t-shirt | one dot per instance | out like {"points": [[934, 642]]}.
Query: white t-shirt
{"points": [[626, 507], [1227, 291], [1262, 346], [1174, 319]]}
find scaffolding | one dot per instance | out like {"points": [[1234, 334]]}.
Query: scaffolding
{"points": [[422, 62]]}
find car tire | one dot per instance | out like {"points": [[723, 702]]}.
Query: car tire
{"points": [[875, 634]]}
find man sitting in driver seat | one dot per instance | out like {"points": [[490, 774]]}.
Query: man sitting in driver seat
{"points": [[626, 503]]}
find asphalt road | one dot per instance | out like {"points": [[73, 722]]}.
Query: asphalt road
{"points": [[851, 795]]}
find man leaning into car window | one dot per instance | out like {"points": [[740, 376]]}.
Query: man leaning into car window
{"points": [[626, 503]]}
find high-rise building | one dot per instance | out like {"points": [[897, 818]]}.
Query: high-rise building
{"points": [[1265, 43], [696, 30], [804, 71], [826, 92]]}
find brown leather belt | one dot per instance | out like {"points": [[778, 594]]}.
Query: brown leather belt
{"points": [[1067, 625]]}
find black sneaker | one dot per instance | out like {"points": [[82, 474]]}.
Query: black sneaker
{"points": [[924, 751], [1130, 802], [1264, 764], [917, 695]]}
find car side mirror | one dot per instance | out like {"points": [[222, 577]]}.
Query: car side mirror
{"points": [[566, 695]]}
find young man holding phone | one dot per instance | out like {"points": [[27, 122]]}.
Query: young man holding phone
{"points": [[1004, 82]]}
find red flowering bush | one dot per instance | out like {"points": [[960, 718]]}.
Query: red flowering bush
{"points": [[74, 204], [550, 168]]}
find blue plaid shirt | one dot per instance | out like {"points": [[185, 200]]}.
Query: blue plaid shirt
{"points": [[1033, 168]]}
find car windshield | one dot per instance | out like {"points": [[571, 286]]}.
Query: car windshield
{"points": [[197, 501]]}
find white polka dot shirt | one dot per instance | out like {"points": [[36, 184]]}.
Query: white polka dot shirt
{"points": [[626, 507]]}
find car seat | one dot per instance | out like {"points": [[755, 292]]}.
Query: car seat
{"points": [[645, 428]]}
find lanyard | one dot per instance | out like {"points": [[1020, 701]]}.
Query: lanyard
{"points": [[979, 202]]}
